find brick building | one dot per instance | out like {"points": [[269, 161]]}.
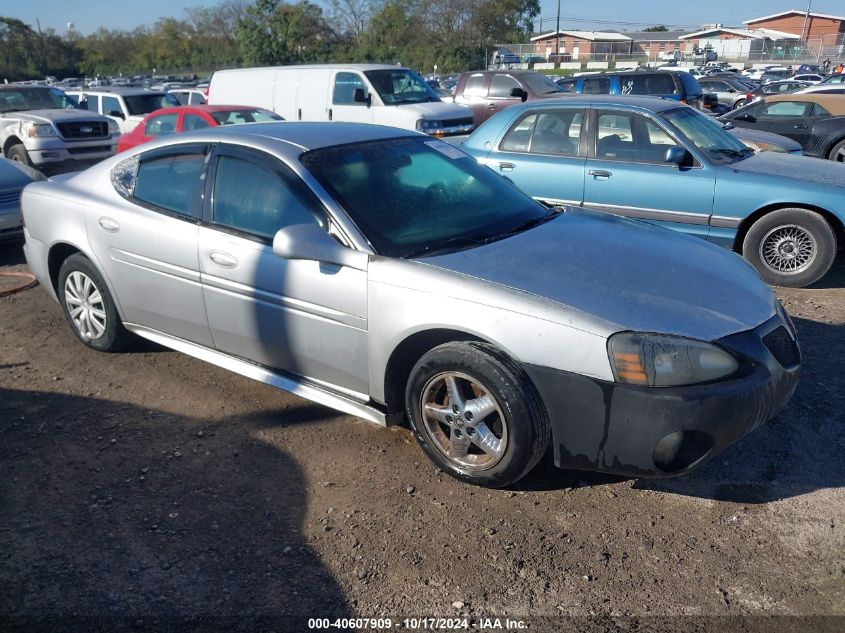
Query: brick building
{"points": [[828, 30]]}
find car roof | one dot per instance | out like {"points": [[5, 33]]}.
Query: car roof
{"points": [[654, 104], [306, 135], [118, 90], [834, 103]]}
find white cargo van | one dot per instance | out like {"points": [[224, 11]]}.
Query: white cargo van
{"points": [[363, 93]]}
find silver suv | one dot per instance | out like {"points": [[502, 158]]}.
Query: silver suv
{"points": [[44, 128]]}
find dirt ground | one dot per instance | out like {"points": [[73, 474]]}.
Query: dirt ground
{"points": [[150, 490]]}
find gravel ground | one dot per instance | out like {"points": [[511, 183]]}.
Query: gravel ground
{"points": [[150, 490]]}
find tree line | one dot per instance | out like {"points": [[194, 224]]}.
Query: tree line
{"points": [[453, 34]]}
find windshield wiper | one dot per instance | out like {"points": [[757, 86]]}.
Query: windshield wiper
{"points": [[463, 241]]}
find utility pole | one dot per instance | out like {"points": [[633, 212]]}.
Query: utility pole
{"points": [[557, 48]]}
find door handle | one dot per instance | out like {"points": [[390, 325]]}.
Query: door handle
{"points": [[506, 166], [223, 259], [109, 225], [600, 173], [800, 126], [491, 106]]}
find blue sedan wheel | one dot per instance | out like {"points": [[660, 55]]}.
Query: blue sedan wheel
{"points": [[791, 247]]}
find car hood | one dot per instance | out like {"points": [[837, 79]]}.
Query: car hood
{"points": [[800, 168], [15, 176], [747, 134], [439, 110], [45, 116], [632, 275]]}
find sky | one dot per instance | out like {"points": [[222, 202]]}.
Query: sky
{"points": [[88, 15]]}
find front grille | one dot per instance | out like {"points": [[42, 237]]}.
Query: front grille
{"points": [[90, 149], [9, 198], [84, 129], [782, 347], [457, 122]]}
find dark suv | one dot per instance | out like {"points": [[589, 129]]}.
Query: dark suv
{"points": [[488, 91], [680, 86]]}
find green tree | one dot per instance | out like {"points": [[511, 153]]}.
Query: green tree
{"points": [[658, 28], [272, 32]]}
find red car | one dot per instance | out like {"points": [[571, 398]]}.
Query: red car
{"points": [[186, 118]]}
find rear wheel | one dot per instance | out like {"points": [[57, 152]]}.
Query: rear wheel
{"points": [[476, 414], [19, 154], [88, 306], [791, 247], [739, 104], [838, 152]]}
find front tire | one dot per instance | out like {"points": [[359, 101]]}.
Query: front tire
{"points": [[791, 247], [476, 414], [88, 306], [19, 154]]}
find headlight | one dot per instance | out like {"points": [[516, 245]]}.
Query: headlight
{"points": [[424, 125], [658, 360], [113, 127], [762, 146], [41, 130]]}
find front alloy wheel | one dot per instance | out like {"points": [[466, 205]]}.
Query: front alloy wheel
{"points": [[476, 413], [464, 421], [790, 247]]}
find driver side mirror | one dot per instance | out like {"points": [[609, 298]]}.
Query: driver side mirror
{"points": [[311, 242], [519, 93], [359, 96], [676, 156], [116, 113]]}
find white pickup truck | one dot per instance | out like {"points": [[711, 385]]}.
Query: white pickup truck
{"points": [[43, 128]]}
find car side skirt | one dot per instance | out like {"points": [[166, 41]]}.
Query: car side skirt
{"points": [[349, 402]]}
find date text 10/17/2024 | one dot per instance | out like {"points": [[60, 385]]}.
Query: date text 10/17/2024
{"points": [[416, 624]]}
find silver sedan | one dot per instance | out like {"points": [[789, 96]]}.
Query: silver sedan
{"points": [[386, 274]]}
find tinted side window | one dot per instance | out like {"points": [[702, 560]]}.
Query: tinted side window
{"points": [[197, 98], [557, 133], [519, 138], [170, 182], [161, 125], [501, 86], [193, 122], [596, 85], [344, 88], [111, 104], [819, 111], [652, 84], [630, 137], [474, 86], [249, 198], [787, 109]]}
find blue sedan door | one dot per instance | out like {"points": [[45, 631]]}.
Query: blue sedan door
{"points": [[543, 155], [626, 174]]}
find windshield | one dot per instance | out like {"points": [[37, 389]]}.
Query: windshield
{"points": [[708, 135], [19, 99], [417, 196], [540, 84], [146, 103], [399, 86], [250, 115]]}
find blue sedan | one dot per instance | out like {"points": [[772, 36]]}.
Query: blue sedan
{"points": [[656, 160]]}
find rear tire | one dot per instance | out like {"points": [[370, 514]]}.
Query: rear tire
{"points": [[476, 413], [19, 154], [837, 154], [790, 247], [739, 104], [88, 306]]}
